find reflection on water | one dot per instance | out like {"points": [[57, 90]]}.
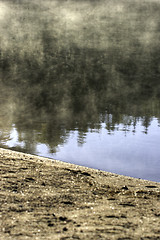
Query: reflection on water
{"points": [[124, 151], [79, 82], [129, 148]]}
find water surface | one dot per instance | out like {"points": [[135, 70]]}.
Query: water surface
{"points": [[80, 82]]}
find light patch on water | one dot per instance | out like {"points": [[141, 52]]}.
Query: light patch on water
{"points": [[151, 25], [81, 24], [71, 17], [120, 8], [117, 8], [146, 38], [14, 139], [149, 36], [3, 10], [87, 24]]}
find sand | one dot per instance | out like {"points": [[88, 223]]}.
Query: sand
{"points": [[47, 199]]}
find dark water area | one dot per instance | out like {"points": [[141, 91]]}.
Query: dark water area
{"points": [[80, 82]]}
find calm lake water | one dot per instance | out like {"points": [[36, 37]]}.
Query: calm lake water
{"points": [[127, 148], [80, 82]]}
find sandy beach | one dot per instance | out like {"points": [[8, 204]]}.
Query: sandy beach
{"points": [[47, 199]]}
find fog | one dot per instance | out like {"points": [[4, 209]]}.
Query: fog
{"points": [[76, 65]]}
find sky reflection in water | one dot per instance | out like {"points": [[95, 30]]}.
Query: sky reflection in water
{"points": [[129, 153], [79, 82]]}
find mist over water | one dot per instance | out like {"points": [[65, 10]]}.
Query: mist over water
{"points": [[80, 82]]}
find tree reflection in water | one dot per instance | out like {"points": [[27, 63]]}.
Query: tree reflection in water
{"points": [[75, 66]]}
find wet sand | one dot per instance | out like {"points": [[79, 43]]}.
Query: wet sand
{"points": [[42, 198]]}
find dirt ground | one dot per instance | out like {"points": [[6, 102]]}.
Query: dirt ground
{"points": [[44, 199]]}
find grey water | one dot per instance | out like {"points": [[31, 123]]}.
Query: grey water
{"points": [[84, 92]]}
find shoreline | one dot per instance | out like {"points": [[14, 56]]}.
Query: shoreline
{"points": [[42, 198]]}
